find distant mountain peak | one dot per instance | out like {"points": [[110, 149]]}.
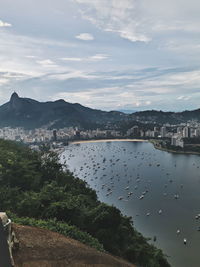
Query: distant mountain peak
{"points": [[14, 96], [15, 102]]}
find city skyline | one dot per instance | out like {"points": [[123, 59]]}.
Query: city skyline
{"points": [[109, 55]]}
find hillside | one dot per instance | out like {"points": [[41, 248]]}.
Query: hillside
{"points": [[162, 117], [29, 113], [43, 248]]}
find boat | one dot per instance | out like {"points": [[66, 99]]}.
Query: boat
{"points": [[160, 211]]}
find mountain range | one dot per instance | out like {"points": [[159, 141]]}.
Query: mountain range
{"points": [[29, 113]]}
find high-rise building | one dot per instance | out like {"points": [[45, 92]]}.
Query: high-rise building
{"points": [[134, 131], [163, 131], [180, 131], [197, 132], [54, 135], [186, 132]]}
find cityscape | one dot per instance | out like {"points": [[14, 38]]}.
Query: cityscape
{"points": [[176, 133]]}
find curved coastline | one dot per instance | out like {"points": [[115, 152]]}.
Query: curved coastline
{"points": [[156, 146], [136, 140]]}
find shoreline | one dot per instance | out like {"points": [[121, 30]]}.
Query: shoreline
{"points": [[173, 151], [153, 142], [108, 140]]}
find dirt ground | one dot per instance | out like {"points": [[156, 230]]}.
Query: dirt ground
{"points": [[42, 248]]}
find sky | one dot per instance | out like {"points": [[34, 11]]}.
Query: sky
{"points": [[104, 54]]}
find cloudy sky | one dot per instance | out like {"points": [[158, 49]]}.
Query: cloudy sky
{"points": [[105, 54]]}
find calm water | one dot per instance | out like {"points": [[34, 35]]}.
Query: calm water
{"points": [[123, 172]]}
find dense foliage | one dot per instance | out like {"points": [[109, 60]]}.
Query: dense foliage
{"points": [[35, 188]]}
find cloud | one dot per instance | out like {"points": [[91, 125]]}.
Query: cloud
{"points": [[183, 97], [139, 89], [145, 21], [29, 56], [117, 16], [106, 96], [89, 98], [13, 75], [148, 90], [148, 102], [94, 58], [76, 59], [4, 24], [74, 74], [98, 57], [85, 37], [3, 81], [47, 63]]}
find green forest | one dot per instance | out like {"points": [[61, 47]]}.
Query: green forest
{"points": [[35, 190]]}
